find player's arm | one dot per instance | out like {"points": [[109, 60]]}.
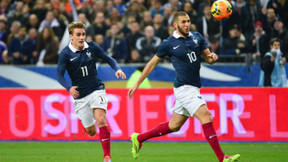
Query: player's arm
{"points": [[61, 67], [112, 62], [210, 57], [147, 70]]}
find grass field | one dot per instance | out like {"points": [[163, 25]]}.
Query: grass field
{"points": [[150, 152]]}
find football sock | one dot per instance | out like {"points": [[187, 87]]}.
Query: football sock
{"points": [[211, 137], [160, 130], [105, 140]]}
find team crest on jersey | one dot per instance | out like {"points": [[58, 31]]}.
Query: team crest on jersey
{"points": [[195, 41], [88, 53]]}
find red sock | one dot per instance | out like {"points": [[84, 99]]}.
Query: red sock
{"points": [[211, 137], [160, 130], [105, 140]]}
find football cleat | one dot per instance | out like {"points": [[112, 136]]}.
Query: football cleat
{"points": [[231, 158], [107, 158], [135, 145]]}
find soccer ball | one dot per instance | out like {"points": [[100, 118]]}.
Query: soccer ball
{"points": [[221, 9]]}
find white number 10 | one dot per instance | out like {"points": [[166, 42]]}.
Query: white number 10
{"points": [[192, 56], [84, 71]]}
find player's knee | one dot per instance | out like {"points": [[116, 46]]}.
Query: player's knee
{"points": [[175, 128], [91, 132], [101, 121], [207, 117]]}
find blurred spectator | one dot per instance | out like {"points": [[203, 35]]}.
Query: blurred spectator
{"points": [[202, 5], [99, 39], [13, 31], [259, 42], [270, 18], [156, 8], [135, 34], [115, 16], [273, 72], [47, 47], [171, 29], [115, 44], [99, 25], [174, 4], [3, 30], [2, 49], [240, 4], [39, 10], [129, 19], [135, 56], [118, 4], [51, 22], [29, 47], [280, 7], [86, 9], [147, 20], [214, 45], [235, 43], [136, 8], [148, 45], [4, 7], [88, 27], [160, 30], [32, 22], [17, 14], [208, 26], [251, 13], [16, 47], [188, 8], [280, 31]]}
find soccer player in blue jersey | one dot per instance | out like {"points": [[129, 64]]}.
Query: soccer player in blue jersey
{"points": [[79, 59], [184, 49]]}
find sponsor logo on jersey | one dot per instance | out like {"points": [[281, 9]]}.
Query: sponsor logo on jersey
{"points": [[176, 47]]}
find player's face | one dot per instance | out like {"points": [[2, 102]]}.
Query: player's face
{"points": [[78, 37], [183, 25]]}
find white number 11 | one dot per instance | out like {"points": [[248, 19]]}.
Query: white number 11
{"points": [[84, 71]]}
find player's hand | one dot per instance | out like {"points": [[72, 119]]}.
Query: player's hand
{"points": [[74, 92], [213, 56], [120, 74], [132, 90]]}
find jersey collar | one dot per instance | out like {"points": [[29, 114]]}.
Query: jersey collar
{"points": [[176, 35], [73, 49]]}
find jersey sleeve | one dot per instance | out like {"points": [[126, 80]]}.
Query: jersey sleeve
{"points": [[61, 68], [163, 49], [203, 43], [100, 53]]}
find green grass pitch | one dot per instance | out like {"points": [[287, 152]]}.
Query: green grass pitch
{"points": [[150, 152]]}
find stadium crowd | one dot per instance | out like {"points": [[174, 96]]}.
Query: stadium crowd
{"points": [[132, 30]]}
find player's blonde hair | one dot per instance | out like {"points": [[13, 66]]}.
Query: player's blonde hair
{"points": [[75, 25], [178, 14]]}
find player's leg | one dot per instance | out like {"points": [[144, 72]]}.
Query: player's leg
{"points": [[174, 124], [104, 134], [204, 116]]}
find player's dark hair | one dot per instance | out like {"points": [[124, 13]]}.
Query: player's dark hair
{"points": [[274, 40], [75, 25], [178, 14]]}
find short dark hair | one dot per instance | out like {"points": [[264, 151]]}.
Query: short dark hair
{"points": [[274, 40], [75, 25], [178, 14]]}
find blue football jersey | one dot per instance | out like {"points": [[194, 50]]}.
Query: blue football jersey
{"points": [[81, 67], [185, 55]]}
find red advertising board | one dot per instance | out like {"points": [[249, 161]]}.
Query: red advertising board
{"points": [[239, 114]]}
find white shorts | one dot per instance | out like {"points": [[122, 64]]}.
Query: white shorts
{"points": [[84, 106], [188, 100]]}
